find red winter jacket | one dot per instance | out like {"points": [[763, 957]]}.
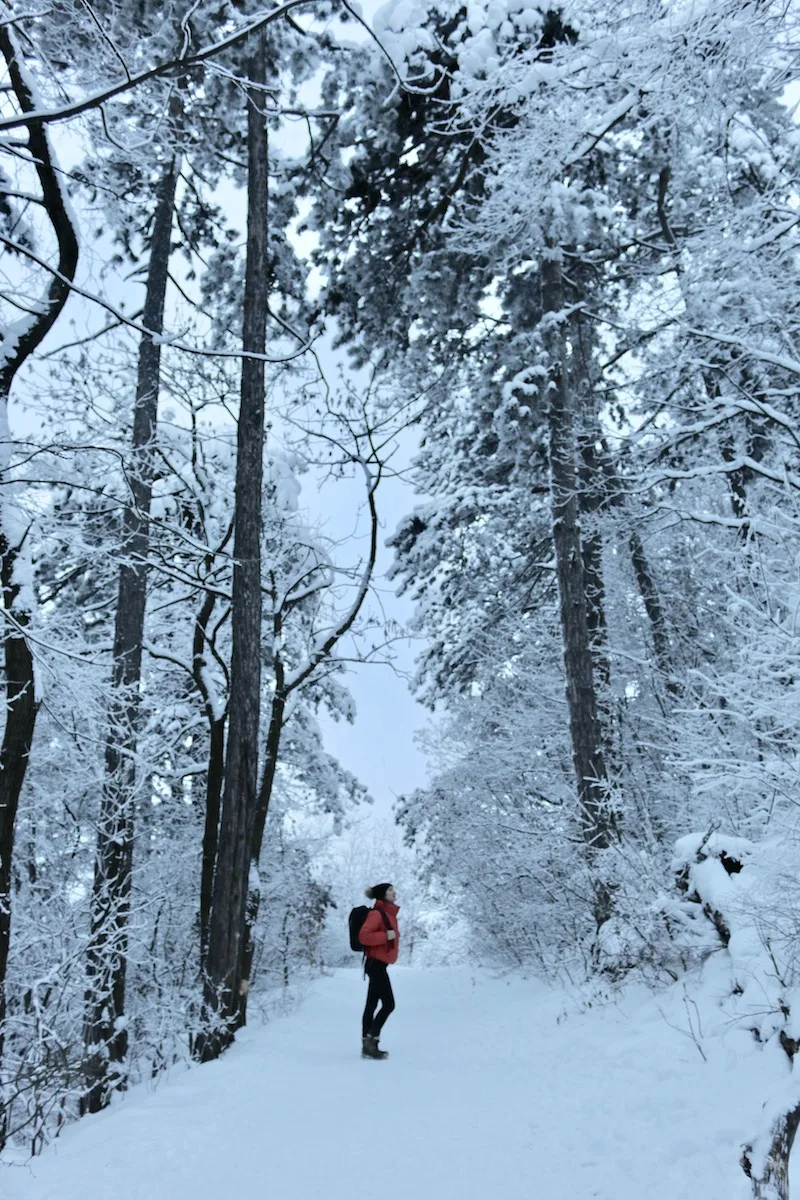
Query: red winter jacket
{"points": [[374, 934]]}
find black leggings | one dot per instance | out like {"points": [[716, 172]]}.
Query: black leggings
{"points": [[379, 992]]}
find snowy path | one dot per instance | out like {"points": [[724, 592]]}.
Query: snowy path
{"points": [[487, 1094]]}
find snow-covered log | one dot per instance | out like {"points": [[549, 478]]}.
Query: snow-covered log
{"points": [[740, 888]]}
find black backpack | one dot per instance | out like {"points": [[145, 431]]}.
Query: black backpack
{"points": [[358, 916]]}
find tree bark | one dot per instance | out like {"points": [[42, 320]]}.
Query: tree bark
{"points": [[214, 780], [21, 704], [595, 495], [214, 776], [276, 720], [21, 710], [655, 612], [757, 442], [585, 732], [223, 978], [773, 1182], [105, 1038]]}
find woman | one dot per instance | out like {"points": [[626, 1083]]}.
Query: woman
{"points": [[380, 937]]}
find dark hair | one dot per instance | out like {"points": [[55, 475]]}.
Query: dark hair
{"points": [[377, 891]]}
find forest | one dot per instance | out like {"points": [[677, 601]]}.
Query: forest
{"points": [[535, 266]]}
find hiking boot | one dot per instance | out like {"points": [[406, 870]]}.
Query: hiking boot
{"points": [[369, 1048]]}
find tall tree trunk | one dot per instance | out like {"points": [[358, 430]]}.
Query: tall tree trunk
{"points": [[20, 699], [757, 443], [105, 1036], [594, 496], [214, 780], [587, 753], [214, 776], [223, 978], [17, 738], [276, 720], [655, 611]]}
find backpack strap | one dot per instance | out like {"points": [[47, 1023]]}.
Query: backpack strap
{"points": [[388, 925]]}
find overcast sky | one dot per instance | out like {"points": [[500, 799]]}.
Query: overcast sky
{"points": [[379, 747]]}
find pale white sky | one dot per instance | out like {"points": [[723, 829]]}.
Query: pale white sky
{"points": [[379, 747]]}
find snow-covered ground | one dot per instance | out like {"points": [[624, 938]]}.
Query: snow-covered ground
{"points": [[494, 1088]]}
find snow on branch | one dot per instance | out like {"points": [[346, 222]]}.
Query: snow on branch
{"points": [[175, 67], [326, 644]]}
